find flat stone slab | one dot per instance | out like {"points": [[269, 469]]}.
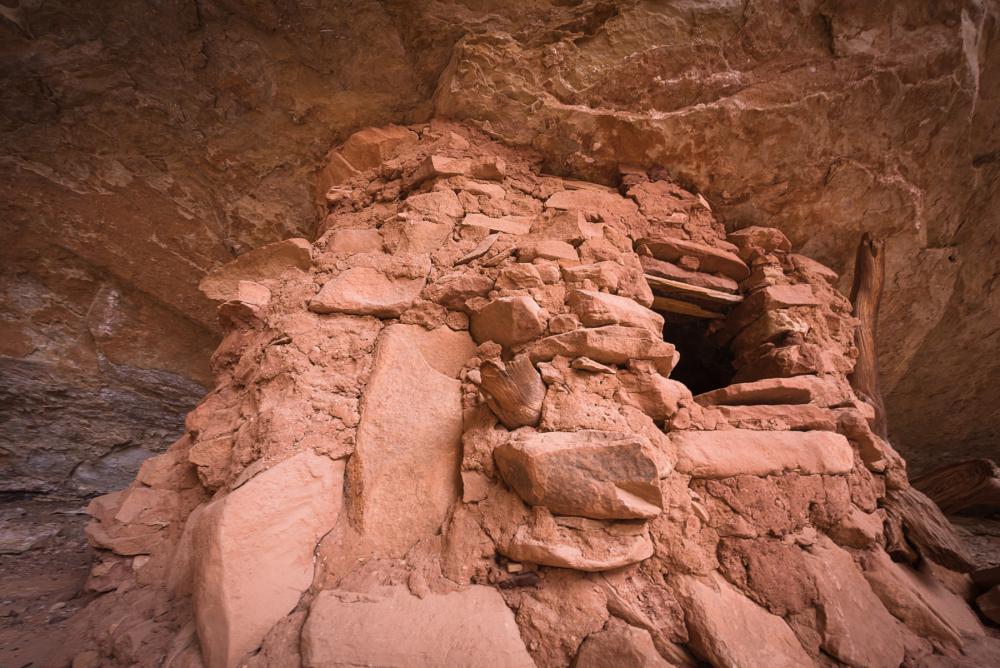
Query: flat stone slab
{"points": [[712, 260], [253, 553], [824, 391], [722, 454], [471, 628]]}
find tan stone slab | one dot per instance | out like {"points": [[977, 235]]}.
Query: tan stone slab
{"points": [[666, 285], [668, 305], [253, 553], [731, 452], [471, 628]]}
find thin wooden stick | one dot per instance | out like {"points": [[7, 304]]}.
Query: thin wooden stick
{"points": [[866, 296]]}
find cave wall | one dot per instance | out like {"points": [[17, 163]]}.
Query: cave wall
{"points": [[146, 143]]}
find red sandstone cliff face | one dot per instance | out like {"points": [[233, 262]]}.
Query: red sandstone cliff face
{"points": [[146, 144]]}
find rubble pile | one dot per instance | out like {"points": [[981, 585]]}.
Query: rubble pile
{"points": [[446, 433]]}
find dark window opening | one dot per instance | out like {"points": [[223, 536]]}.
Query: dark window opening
{"points": [[704, 364]]}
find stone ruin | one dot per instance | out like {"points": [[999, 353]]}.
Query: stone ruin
{"points": [[491, 417]]}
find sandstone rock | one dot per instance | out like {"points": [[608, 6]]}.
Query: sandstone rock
{"points": [[762, 240], [914, 599], [570, 226], [648, 390], [547, 249], [856, 628], [415, 236], [253, 553], [824, 391], [710, 259], [611, 344], [599, 308], [402, 486], [336, 170], [454, 289], [368, 148], [619, 644], [519, 276], [514, 391], [267, 262], [720, 454], [580, 544], [729, 629], [490, 168], [586, 473], [390, 627], [661, 269], [367, 291], [508, 321], [796, 417], [509, 224], [858, 529], [438, 166]]}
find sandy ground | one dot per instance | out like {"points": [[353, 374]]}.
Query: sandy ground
{"points": [[42, 588]]}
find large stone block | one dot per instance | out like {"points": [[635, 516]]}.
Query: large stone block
{"points": [[602, 475], [470, 628], [404, 472], [253, 553], [600, 308]]}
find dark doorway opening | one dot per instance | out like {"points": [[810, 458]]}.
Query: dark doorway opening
{"points": [[704, 364]]}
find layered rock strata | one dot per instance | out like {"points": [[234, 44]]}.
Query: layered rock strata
{"points": [[446, 433]]}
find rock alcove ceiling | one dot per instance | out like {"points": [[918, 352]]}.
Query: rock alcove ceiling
{"points": [[146, 143]]}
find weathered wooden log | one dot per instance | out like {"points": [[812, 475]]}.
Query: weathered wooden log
{"points": [[866, 296], [926, 528], [970, 487], [514, 391]]}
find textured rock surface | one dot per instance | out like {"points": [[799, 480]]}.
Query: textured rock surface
{"points": [[395, 628], [253, 552], [515, 542], [127, 175]]}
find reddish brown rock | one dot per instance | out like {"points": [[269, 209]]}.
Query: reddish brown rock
{"points": [[587, 473], [824, 391], [720, 454], [722, 623], [710, 259], [267, 262], [619, 645], [598, 308], [401, 487], [391, 627], [612, 344], [367, 291], [368, 148], [508, 321], [253, 553], [579, 544]]}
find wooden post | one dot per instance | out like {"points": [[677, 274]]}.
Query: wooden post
{"points": [[866, 296]]}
